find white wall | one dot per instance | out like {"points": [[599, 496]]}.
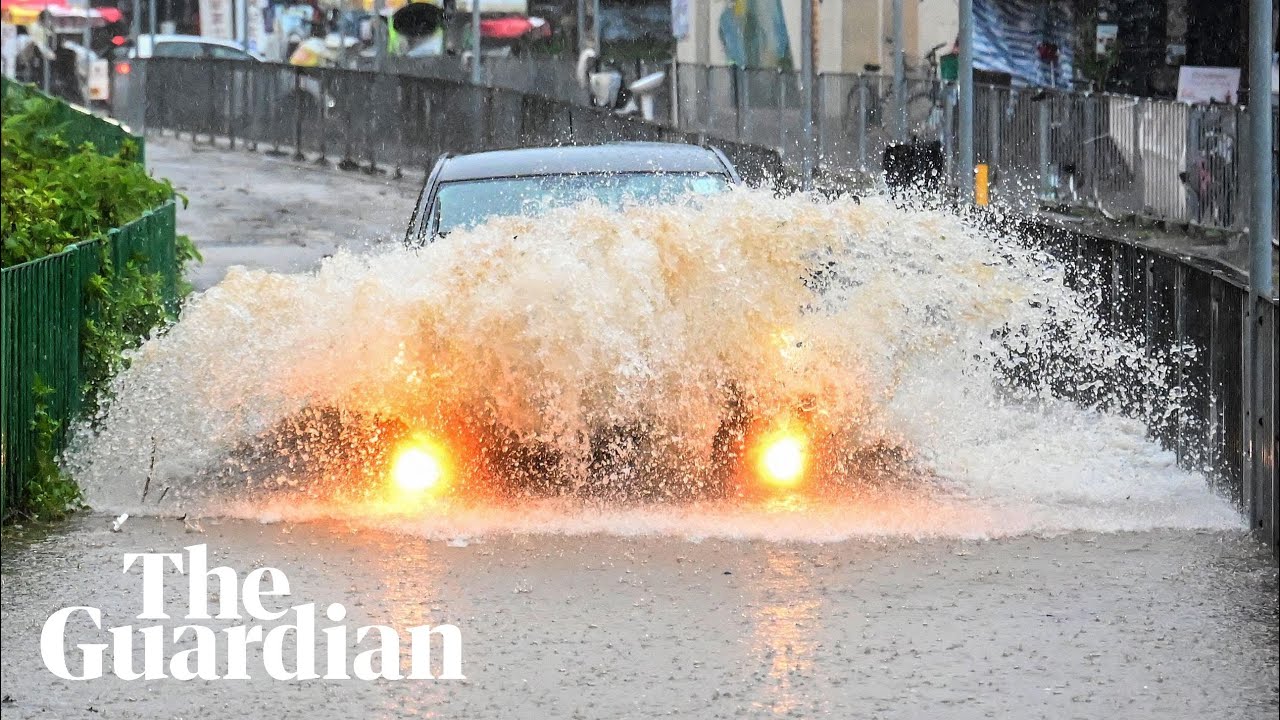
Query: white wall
{"points": [[939, 23]]}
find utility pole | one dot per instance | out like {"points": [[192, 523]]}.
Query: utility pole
{"points": [[1260, 136], [1260, 373], [595, 27], [966, 101], [806, 93], [86, 39], [582, 26], [381, 35], [477, 73], [242, 20], [899, 76]]}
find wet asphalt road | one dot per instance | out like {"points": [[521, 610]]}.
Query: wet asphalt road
{"points": [[1164, 624]]}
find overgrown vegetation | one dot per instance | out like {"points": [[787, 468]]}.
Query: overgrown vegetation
{"points": [[50, 493], [55, 195]]}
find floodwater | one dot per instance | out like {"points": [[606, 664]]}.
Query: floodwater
{"points": [[1155, 624], [1002, 554]]}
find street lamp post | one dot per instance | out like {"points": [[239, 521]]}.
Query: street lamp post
{"points": [[476, 71], [966, 101], [806, 93]]}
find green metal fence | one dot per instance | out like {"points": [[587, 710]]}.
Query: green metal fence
{"points": [[80, 126], [43, 309], [45, 303]]}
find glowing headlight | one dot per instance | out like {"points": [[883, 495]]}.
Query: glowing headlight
{"points": [[419, 466], [782, 458]]}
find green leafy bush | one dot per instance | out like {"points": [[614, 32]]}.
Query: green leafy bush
{"points": [[54, 194]]}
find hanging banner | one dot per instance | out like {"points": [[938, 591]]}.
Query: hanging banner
{"points": [[1208, 84], [1031, 41], [216, 20]]}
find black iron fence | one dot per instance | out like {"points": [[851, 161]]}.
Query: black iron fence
{"points": [[366, 119], [1208, 413]]}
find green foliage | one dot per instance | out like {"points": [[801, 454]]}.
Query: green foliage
{"points": [[50, 493], [130, 303], [55, 194]]}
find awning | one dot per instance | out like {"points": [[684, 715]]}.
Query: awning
{"points": [[25, 12]]}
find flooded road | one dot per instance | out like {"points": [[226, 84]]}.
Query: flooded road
{"points": [[1016, 556], [1159, 624]]}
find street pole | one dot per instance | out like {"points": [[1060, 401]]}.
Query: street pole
{"points": [[966, 101], [242, 22], [86, 39], [151, 22], [899, 76], [595, 27], [477, 76], [381, 35], [1260, 136], [135, 22], [582, 26], [806, 93], [1259, 372]]}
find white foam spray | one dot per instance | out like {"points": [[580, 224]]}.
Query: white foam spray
{"points": [[587, 317]]}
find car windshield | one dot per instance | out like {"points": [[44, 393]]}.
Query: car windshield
{"points": [[463, 204]]}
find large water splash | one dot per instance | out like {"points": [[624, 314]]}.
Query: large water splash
{"points": [[898, 328]]}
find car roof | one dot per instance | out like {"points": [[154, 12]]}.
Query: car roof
{"points": [[147, 39], [619, 157]]}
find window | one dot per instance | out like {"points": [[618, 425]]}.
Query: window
{"points": [[467, 203], [222, 52], [178, 50]]}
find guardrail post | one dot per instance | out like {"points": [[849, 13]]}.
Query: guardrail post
{"points": [[736, 74], [299, 106], [323, 139], [995, 121], [948, 132], [1042, 136], [782, 104], [862, 122], [1180, 356], [1139, 181]]}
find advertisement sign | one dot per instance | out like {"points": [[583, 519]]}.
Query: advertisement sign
{"points": [[1208, 84], [216, 19]]}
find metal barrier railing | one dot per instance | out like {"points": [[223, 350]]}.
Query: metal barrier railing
{"points": [[1119, 154], [1194, 317], [1122, 155], [45, 306], [367, 119]]}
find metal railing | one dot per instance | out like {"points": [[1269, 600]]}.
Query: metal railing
{"points": [[369, 119], [1193, 316], [44, 307], [1118, 154]]}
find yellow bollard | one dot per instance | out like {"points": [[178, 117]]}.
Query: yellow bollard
{"points": [[981, 189]]}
